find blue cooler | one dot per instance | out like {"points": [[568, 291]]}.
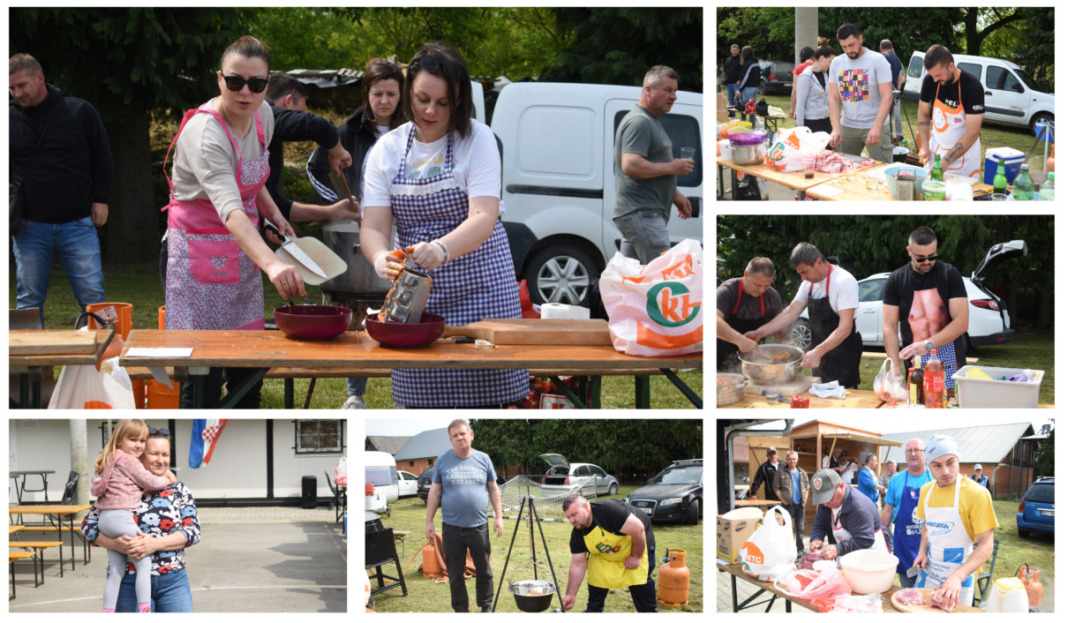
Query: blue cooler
{"points": [[1013, 158]]}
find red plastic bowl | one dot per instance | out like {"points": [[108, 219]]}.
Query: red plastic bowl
{"points": [[312, 322], [406, 334]]}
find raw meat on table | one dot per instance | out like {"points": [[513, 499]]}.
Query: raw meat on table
{"points": [[911, 597], [809, 558], [833, 163]]}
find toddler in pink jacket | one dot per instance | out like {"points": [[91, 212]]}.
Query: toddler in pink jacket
{"points": [[119, 483]]}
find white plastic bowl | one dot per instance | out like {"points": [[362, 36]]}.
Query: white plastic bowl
{"points": [[869, 571]]}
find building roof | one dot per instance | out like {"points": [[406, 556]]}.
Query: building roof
{"points": [[386, 443], [978, 444], [427, 444]]}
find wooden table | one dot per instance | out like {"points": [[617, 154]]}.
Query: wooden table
{"points": [[59, 511], [736, 572], [856, 189], [794, 181], [855, 399], [355, 352], [31, 367]]}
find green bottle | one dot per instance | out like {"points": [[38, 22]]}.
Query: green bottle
{"points": [[1023, 189], [1000, 181], [1046, 190], [936, 172]]}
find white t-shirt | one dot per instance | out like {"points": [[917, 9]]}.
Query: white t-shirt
{"points": [[857, 81], [476, 163], [847, 473], [845, 293]]}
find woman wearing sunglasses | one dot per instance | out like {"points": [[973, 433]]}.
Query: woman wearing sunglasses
{"points": [[218, 195], [439, 178]]}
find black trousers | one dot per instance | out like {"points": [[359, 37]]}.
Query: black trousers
{"points": [[457, 541], [797, 515], [643, 595]]}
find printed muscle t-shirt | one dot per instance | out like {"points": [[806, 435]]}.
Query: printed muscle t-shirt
{"points": [[925, 298], [857, 81], [976, 509], [464, 496]]}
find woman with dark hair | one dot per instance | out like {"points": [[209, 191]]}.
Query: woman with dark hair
{"points": [[168, 522], [438, 177], [750, 81], [813, 110], [379, 113], [218, 193]]}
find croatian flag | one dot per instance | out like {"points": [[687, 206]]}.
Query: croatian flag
{"points": [[205, 434]]}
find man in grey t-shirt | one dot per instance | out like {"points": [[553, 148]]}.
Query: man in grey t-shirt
{"points": [[464, 480], [860, 98], [645, 170]]}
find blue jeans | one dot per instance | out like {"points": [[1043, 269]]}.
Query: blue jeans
{"points": [[749, 93], [357, 386], [170, 593], [76, 245], [732, 93]]}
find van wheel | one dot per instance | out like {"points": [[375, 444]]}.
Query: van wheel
{"points": [[1041, 117], [560, 274]]}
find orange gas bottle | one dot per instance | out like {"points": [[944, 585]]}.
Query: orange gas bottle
{"points": [[1029, 576], [673, 583], [431, 568]]}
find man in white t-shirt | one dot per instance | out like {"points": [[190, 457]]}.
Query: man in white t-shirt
{"points": [[860, 98], [831, 296]]}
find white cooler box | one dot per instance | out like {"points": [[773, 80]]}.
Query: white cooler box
{"points": [[995, 394]]}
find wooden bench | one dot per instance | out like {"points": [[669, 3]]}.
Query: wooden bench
{"points": [[87, 555], [398, 535], [36, 555], [11, 558]]}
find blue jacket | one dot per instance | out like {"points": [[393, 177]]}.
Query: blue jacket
{"points": [[859, 516], [866, 484]]}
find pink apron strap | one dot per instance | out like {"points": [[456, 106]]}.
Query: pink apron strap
{"points": [[210, 110]]}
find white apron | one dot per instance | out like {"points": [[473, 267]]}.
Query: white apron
{"points": [[948, 545], [841, 534], [949, 127]]}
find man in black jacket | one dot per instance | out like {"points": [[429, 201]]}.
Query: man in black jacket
{"points": [[766, 475], [732, 73], [60, 179]]}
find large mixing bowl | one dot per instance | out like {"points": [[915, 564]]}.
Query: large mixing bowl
{"points": [[729, 388], [312, 322], [771, 364], [869, 571], [406, 334]]}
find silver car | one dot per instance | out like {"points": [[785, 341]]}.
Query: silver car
{"points": [[564, 475]]}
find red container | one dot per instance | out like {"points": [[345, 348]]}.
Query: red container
{"points": [[799, 402], [406, 334], [312, 322]]}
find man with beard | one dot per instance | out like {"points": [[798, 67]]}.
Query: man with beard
{"points": [[956, 512], [861, 98], [933, 294], [953, 101], [743, 304], [902, 497]]}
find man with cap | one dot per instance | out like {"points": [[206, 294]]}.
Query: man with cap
{"points": [[899, 508], [956, 512], [766, 476], [850, 517], [979, 478]]}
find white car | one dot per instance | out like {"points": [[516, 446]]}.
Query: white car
{"points": [[988, 316], [407, 484]]}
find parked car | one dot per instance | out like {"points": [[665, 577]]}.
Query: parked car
{"points": [[675, 494], [776, 76], [988, 316], [407, 484], [1035, 513], [563, 475], [1012, 95], [425, 480], [558, 185]]}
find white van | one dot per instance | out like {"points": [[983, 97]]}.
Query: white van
{"points": [[1012, 96], [559, 188], [381, 471]]}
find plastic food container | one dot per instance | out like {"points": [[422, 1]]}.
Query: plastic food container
{"points": [[869, 571], [933, 190], [894, 169], [746, 151], [994, 394]]}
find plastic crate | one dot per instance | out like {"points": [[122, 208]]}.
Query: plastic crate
{"points": [[995, 394]]}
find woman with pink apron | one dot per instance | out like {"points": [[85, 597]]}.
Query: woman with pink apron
{"points": [[948, 128], [213, 267]]}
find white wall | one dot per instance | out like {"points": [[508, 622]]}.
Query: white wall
{"points": [[238, 468]]}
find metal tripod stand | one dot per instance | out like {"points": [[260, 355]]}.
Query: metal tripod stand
{"points": [[533, 518]]}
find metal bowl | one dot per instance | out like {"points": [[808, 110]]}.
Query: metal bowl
{"points": [[539, 601], [729, 389], [312, 322], [771, 364]]}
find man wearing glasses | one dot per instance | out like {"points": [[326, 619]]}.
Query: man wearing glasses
{"points": [[899, 509], [933, 294]]}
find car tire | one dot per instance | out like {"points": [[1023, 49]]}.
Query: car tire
{"points": [[967, 343], [613, 489], [560, 274], [1039, 118], [1023, 533], [693, 514], [763, 88], [801, 334]]}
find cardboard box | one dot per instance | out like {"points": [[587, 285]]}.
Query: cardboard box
{"points": [[732, 530], [721, 108]]}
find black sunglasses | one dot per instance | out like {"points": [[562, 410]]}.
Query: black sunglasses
{"points": [[925, 258], [159, 431], [426, 62], [236, 83]]}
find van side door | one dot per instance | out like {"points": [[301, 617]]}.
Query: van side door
{"points": [[1007, 99]]}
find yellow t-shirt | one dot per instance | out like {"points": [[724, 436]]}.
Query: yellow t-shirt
{"points": [[976, 509]]}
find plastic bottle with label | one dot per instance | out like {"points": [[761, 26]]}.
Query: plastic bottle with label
{"points": [[1045, 192], [934, 382], [1023, 188]]}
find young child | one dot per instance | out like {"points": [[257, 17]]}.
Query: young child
{"points": [[119, 483]]}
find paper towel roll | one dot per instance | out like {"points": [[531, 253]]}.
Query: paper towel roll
{"points": [[552, 311]]}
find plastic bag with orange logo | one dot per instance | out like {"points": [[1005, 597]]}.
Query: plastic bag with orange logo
{"points": [[655, 310], [85, 387], [788, 151]]}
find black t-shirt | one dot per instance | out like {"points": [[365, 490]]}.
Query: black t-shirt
{"points": [[611, 515], [749, 308], [970, 92], [904, 283]]}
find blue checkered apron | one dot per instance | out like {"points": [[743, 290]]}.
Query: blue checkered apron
{"points": [[466, 289], [947, 354]]}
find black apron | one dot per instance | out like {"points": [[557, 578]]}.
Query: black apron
{"points": [[842, 363], [725, 350]]}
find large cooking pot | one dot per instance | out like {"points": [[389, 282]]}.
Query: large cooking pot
{"points": [[312, 322], [533, 595], [729, 388], [405, 334], [770, 364], [343, 238]]}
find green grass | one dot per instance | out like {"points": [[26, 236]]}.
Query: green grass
{"points": [[424, 595], [139, 285]]}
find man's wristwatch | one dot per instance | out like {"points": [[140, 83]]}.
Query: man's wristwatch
{"points": [[928, 346]]}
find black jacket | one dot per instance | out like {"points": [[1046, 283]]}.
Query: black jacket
{"points": [[293, 125], [732, 69], [766, 476], [73, 167], [750, 73], [357, 136]]}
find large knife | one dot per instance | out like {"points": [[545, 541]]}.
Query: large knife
{"points": [[295, 251]]}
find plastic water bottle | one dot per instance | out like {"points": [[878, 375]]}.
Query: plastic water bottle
{"points": [[934, 382], [1045, 193], [1024, 187]]}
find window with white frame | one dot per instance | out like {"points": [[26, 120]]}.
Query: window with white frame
{"points": [[320, 436]]}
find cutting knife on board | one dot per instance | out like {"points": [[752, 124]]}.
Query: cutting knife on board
{"points": [[295, 251]]}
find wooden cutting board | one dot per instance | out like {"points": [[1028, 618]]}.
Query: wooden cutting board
{"points": [[537, 331], [927, 592], [330, 262], [29, 343]]}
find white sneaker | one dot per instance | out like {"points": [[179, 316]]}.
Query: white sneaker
{"points": [[354, 402]]}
